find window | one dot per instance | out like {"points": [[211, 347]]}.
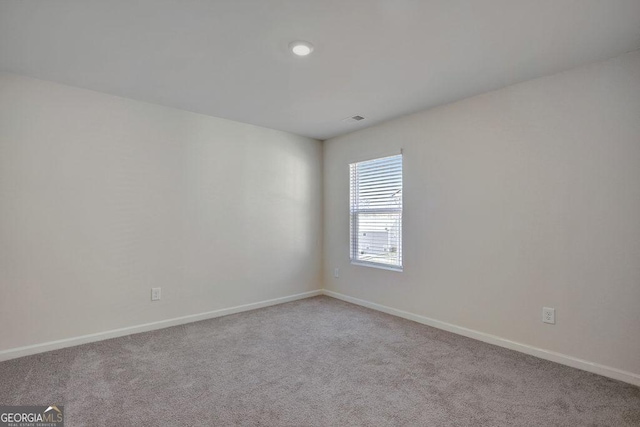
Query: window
{"points": [[376, 212]]}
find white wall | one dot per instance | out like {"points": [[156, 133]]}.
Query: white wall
{"points": [[102, 198], [514, 200]]}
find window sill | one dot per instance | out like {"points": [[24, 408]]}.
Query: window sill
{"points": [[377, 265]]}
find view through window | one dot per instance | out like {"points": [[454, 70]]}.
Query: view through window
{"points": [[376, 212]]}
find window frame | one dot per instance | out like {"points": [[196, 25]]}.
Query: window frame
{"points": [[355, 213]]}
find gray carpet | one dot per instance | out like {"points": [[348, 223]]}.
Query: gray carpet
{"points": [[314, 362]]}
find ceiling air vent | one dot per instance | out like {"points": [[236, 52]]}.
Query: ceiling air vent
{"points": [[353, 119]]}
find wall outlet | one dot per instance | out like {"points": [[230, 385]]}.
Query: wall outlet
{"points": [[549, 315], [155, 294], [336, 272]]}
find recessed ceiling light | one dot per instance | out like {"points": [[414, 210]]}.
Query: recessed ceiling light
{"points": [[301, 48]]}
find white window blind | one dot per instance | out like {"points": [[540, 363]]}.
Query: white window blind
{"points": [[376, 212]]}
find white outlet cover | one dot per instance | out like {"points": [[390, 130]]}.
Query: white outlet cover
{"points": [[336, 272], [155, 294], [549, 315]]}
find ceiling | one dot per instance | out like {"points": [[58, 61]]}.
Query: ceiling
{"points": [[375, 58]]}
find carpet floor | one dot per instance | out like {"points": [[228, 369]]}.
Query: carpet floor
{"points": [[314, 362]]}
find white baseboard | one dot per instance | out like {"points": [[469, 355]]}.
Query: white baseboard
{"points": [[553, 356], [13, 353], [564, 359]]}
